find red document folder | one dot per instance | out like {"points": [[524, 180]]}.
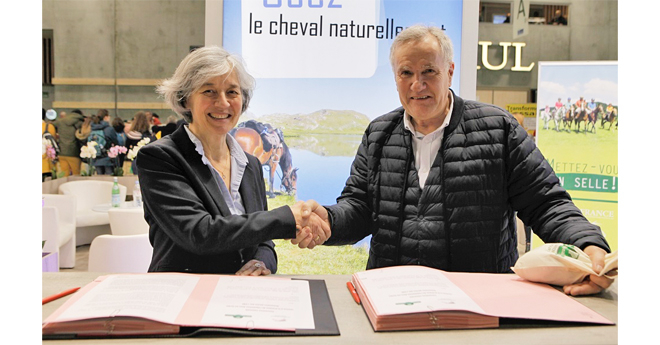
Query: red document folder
{"points": [[496, 295]]}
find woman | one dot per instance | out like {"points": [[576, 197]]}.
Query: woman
{"points": [[204, 198], [139, 130]]}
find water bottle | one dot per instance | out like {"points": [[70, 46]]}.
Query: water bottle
{"points": [[116, 197], [137, 194]]}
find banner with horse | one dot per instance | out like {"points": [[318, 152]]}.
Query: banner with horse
{"points": [[577, 132], [323, 73]]}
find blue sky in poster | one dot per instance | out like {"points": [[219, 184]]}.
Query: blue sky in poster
{"points": [[372, 96], [590, 80]]}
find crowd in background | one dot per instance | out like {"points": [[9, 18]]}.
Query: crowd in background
{"points": [[67, 139]]}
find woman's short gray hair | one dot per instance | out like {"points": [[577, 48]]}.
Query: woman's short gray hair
{"points": [[417, 33], [197, 68]]}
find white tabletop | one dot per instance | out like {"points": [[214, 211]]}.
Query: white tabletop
{"points": [[106, 207]]}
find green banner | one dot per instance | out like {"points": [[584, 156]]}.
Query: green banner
{"points": [[577, 132], [589, 182]]}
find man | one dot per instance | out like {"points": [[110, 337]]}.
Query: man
{"points": [[559, 19], [581, 104], [69, 149], [591, 106], [438, 181]]}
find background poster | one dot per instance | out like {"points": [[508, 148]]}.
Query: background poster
{"points": [[525, 114], [323, 73], [582, 149]]}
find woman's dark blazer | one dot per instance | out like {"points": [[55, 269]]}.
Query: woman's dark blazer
{"points": [[190, 226]]}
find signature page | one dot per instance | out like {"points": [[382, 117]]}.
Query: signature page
{"points": [[263, 303], [158, 297], [413, 289]]}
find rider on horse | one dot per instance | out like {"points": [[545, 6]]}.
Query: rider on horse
{"points": [[592, 112], [610, 114], [591, 106]]}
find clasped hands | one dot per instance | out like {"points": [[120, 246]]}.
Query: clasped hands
{"points": [[312, 224]]}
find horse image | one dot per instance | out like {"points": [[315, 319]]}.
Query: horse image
{"points": [[557, 116], [580, 117], [592, 117], [252, 143], [546, 116], [289, 173], [610, 118], [567, 119]]}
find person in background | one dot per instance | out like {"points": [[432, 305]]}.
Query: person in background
{"points": [[66, 127], [46, 165], [204, 197], [105, 137], [118, 126], [170, 127], [163, 130], [104, 115], [155, 119], [156, 125], [559, 19], [140, 129], [150, 118], [438, 181]]}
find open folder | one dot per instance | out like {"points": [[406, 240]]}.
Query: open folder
{"points": [[178, 304], [418, 297]]}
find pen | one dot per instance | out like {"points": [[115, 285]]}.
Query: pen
{"points": [[59, 295], [351, 289]]}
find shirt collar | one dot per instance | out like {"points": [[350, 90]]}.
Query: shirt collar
{"points": [[408, 125], [235, 150]]}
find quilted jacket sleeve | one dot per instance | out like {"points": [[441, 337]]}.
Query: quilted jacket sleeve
{"points": [[351, 216], [541, 202]]}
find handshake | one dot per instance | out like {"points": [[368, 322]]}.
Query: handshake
{"points": [[312, 224]]}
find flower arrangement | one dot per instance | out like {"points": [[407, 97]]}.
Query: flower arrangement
{"points": [[88, 153], [132, 153], [48, 151], [113, 153]]}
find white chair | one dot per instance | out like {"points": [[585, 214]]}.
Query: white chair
{"points": [[120, 254], [90, 223], [127, 221], [58, 227]]}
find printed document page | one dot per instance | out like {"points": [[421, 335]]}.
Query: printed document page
{"points": [[158, 297], [254, 302], [413, 289]]}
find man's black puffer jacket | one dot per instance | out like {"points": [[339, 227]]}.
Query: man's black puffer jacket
{"points": [[464, 219]]}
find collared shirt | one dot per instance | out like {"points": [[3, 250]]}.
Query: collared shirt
{"points": [[238, 163], [426, 147]]}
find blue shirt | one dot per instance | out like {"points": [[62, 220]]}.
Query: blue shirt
{"points": [[238, 163]]}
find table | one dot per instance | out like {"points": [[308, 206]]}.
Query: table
{"points": [[108, 206], [356, 329]]}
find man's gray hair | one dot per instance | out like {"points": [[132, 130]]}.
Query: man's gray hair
{"points": [[417, 33], [197, 68]]}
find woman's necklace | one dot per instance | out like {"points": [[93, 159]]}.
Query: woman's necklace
{"points": [[228, 169], [224, 177]]}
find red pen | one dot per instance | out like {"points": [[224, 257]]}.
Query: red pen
{"points": [[59, 295], [351, 289]]}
